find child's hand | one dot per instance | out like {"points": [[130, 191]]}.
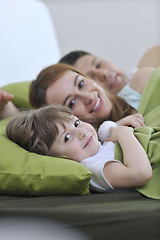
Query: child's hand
{"points": [[4, 98], [117, 132], [135, 120]]}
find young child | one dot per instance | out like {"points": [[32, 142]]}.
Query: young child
{"points": [[55, 131]]}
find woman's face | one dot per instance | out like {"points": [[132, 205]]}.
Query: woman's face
{"points": [[103, 72], [87, 99]]}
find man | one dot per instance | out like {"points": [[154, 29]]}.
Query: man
{"points": [[104, 72]]}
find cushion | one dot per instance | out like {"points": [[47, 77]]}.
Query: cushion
{"points": [[20, 91], [30, 174]]}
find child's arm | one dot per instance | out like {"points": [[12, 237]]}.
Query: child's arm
{"points": [[7, 108], [136, 169]]}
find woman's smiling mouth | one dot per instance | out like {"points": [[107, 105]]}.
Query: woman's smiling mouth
{"points": [[97, 105]]}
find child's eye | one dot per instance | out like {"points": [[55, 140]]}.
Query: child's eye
{"points": [[67, 137], [81, 84], [77, 122], [72, 102]]}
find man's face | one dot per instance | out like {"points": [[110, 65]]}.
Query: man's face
{"points": [[103, 72]]}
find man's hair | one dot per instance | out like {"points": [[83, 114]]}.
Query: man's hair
{"points": [[36, 130], [72, 57]]}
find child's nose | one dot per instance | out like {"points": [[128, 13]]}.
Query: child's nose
{"points": [[82, 134]]}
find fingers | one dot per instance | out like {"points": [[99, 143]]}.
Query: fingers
{"points": [[4, 97], [135, 123], [112, 128], [138, 120], [110, 139], [138, 115], [135, 120]]}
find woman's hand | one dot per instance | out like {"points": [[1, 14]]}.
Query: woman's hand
{"points": [[4, 98], [134, 120]]}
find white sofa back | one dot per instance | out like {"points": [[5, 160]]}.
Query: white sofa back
{"points": [[28, 40]]}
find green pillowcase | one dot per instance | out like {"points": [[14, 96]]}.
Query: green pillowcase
{"points": [[20, 91], [30, 174]]}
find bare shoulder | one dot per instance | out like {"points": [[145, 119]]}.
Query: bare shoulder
{"points": [[151, 58], [140, 79]]}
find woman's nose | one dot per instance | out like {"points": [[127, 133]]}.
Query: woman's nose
{"points": [[87, 97]]}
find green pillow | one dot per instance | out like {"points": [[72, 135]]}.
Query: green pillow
{"points": [[30, 174], [20, 91]]}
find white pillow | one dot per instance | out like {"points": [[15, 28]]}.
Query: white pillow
{"points": [[28, 40]]}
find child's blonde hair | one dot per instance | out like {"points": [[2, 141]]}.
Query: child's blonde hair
{"points": [[37, 129]]}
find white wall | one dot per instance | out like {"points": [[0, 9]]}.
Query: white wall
{"points": [[28, 41], [118, 30]]}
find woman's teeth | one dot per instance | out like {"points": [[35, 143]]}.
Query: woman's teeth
{"points": [[97, 105]]}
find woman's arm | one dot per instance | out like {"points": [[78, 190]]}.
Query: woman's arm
{"points": [[151, 58], [136, 169], [134, 120], [7, 108]]}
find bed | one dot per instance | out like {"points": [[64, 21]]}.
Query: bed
{"points": [[115, 215]]}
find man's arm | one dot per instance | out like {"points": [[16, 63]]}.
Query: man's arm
{"points": [[151, 58]]}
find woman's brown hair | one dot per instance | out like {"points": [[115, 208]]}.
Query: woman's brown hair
{"points": [[47, 76], [38, 87]]}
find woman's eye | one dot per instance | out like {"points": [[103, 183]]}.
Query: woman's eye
{"points": [[72, 102], [67, 137], [81, 84], [77, 122]]}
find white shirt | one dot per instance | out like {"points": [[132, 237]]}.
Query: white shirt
{"points": [[132, 97], [96, 164]]}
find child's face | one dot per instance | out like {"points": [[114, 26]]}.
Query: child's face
{"points": [[78, 141]]}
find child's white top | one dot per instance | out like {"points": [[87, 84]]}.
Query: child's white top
{"points": [[96, 164]]}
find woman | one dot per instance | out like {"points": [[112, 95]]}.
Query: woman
{"points": [[64, 85]]}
